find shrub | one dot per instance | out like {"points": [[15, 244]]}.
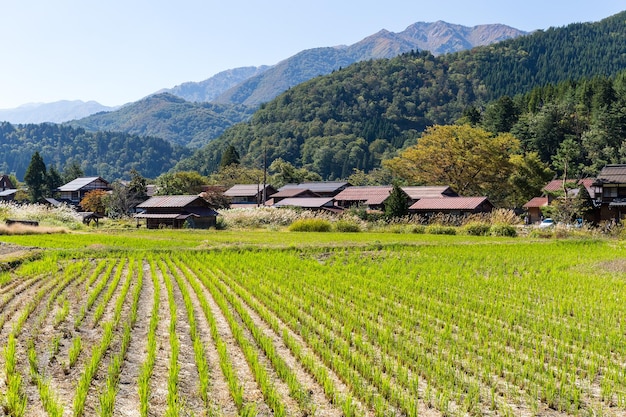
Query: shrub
{"points": [[310, 225], [503, 230], [437, 229], [476, 229], [418, 229], [541, 233], [347, 226]]}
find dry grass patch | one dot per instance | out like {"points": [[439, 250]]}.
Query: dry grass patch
{"points": [[20, 229]]}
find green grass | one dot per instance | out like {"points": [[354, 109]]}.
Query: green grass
{"points": [[468, 325]]}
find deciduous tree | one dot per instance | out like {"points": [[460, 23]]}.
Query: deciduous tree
{"points": [[469, 159], [95, 201]]}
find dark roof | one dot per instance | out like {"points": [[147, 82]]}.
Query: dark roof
{"points": [[615, 174], [246, 190], [79, 183], [450, 203], [170, 201], [292, 192], [417, 192], [536, 202], [367, 195], [310, 202], [318, 186]]}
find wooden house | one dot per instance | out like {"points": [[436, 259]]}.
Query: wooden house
{"points": [[291, 193], [533, 209], [7, 189], [459, 206], [321, 188], [177, 211], [371, 198], [249, 194], [74, 191], [310, 203], [608, 192], [416, 193]]}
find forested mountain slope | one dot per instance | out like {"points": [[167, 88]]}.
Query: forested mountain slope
{"points": [[169, 117], [107, 154], [356, 116]]}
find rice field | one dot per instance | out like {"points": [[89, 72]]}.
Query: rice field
{"points": [[168, 323]]}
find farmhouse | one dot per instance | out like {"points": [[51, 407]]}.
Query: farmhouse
{"points": [[310, 203], [74, 191], [290, 193], [419, 192], [7, 189], [453, 205], [176, 211], [248, 194], [372, 198], [552, 191], [321, 188], [609, 192]]}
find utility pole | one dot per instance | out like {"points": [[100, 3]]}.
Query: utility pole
{"points": [[264, 174]]}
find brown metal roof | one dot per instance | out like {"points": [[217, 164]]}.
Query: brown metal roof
{"points": [[170, 201], [536, 202], [450, 203], [318, 186], [367, 195], [615, 174], [415, 193]]}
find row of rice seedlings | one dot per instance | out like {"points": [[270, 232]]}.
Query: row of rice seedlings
{"points": [[335, 353], [310, 362], [147, 367], [198, 347], [268, 389], [14, 401], [84, 382], [173, 405], [95, 292], [109, 393], [226, 365], [284, 372], [49, 399], [98, 352], [110, 291]]}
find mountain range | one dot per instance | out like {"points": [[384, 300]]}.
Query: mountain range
{"points": [[252, 85], [57, 112]]}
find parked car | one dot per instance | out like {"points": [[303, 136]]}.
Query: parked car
{"points": [[546, 223]]}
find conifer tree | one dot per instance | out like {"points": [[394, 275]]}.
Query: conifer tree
{"points": [[36, 178]]}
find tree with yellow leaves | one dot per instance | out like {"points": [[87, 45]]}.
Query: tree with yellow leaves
{"points": [[469, 159]]}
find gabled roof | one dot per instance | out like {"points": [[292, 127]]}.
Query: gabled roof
{"points": [[450, 203], [7, 192], [310, 202], [246, 190], [367, 195], [170, 201], [318, 186], [614, 174], [292, 192], [80, 183], [536, 202], [415, 193], [557, 185]]}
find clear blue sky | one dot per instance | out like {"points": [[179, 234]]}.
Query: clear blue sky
{"points": [[118, 51]]}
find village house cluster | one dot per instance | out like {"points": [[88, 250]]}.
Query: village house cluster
{"points": [[607, 193]]}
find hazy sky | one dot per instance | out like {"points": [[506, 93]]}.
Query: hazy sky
{"points": [[118, 51]]}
